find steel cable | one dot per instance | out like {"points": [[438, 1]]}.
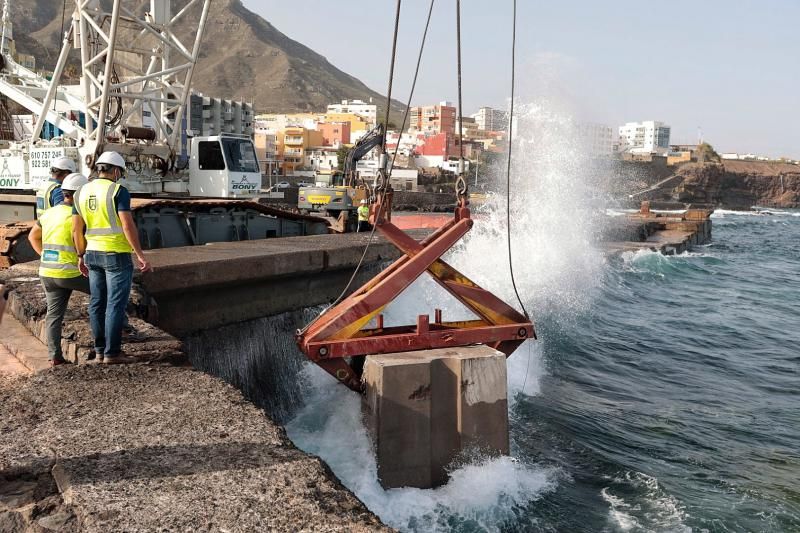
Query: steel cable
{"points": [[508, 177]]}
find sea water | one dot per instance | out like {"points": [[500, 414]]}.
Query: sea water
{"points": [[662, 394]]}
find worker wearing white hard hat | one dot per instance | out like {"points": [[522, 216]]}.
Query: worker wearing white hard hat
{"points": [[363, 217], [59, 272], [49, 194], [103, 209]]}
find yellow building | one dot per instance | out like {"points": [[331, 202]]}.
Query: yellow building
{"points": [[292, 144], [675, 158], [357, 122]]}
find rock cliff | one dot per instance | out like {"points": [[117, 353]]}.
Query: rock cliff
{"points": [[740, 184]]}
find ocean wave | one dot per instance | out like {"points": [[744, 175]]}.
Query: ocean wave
{"points": [[650, 261], [654, 509], [756, 212]]}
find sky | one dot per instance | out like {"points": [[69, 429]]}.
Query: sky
{"points": [[723, 70]]}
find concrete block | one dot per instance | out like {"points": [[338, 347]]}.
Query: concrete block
{"points": [[426, 408]]}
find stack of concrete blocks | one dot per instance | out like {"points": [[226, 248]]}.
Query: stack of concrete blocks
{"points": [[426, 409]]}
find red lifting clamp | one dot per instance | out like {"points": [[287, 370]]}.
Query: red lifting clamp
{"points": [[337, 334]]}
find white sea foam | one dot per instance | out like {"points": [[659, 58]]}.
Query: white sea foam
{"points": [[659, 510], [484, 492], [756, 212]]}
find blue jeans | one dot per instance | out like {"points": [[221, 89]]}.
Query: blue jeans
{"points": [[110, 278]]}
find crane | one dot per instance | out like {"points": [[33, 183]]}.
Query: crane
{"points": [[135, 81]]}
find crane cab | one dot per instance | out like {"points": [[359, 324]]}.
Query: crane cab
{"points": [[224, 166]]}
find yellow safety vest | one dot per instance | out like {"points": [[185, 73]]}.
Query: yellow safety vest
{"points": [[59, 256], [43, 197], [363, 213], [95, 204]]}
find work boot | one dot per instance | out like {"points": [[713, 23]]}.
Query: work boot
{"points": [[58, 362], [118, 359], [94, 357]]}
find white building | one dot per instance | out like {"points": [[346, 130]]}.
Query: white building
{"points": [[408, 142], [275, 122], [322, 159], [490, 119], [597, 139], [357, 107], [212, 116], [644, 137], [401, 179]]}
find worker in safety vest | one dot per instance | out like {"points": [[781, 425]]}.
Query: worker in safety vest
{"points": [[103, 208], [51, 237], [49, 194], [363, 217]]}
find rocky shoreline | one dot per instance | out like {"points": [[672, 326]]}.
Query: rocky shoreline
{"points": [[731, 184]]}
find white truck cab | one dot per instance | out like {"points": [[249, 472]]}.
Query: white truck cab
{"points": [[224, 166]]}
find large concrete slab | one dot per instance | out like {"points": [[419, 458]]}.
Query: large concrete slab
{"points": [[19, 343], [426, 409]]}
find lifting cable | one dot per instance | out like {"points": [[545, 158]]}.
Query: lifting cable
{"points": [[394, 156], [461, 183], [508, 181], [508, 162]]}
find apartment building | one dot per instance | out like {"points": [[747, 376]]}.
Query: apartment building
{"points": [[292, 144], [644, 137], [213, 116], [433, 119], [276, 122], [363, 109], [597, 139], [490, 119], [334, 133]]}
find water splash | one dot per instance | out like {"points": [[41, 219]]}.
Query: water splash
{"points": [[479, 496]]}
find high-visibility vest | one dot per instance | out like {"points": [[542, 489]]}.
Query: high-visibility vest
{"points": [[95, 204], [59, 256], [43, 196], [363, 213]]}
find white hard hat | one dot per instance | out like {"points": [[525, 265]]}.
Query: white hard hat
{"points": [[73, 182], [63, 163], [111, 158]]}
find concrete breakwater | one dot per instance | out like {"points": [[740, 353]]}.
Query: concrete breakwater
{"points": [[671, 232]]}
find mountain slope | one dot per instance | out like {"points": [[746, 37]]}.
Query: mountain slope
{"points": [[243, 56]]}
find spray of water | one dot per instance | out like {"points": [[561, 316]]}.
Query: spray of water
{"points": [[555, 218]]}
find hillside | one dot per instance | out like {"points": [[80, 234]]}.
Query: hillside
{"points": [[243, 56]]}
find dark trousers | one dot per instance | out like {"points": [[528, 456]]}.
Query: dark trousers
{"points": [[57, 292]]}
